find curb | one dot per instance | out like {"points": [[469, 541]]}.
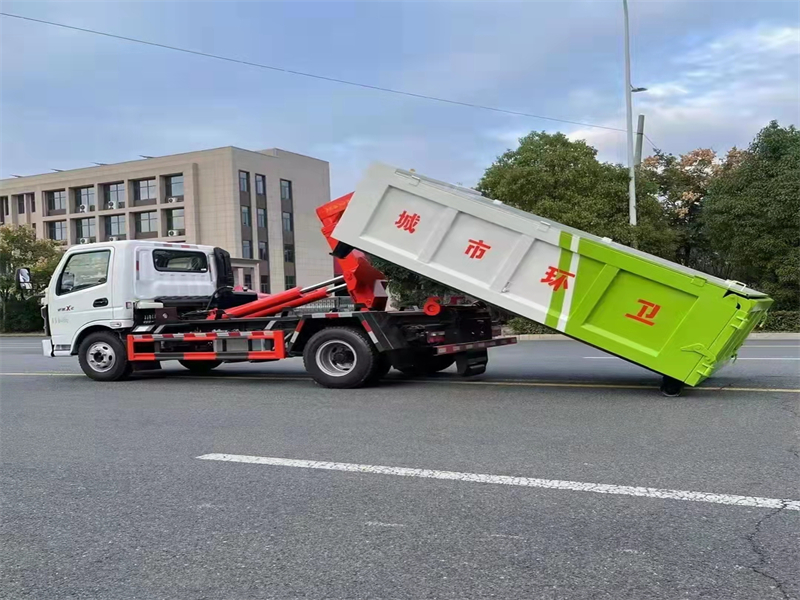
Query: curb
{"points": [[13, 335]]}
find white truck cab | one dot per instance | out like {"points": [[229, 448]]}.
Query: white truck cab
{"points": [[97, 287]]}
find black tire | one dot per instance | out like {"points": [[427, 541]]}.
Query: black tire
{"points": [[103, 357], [670, 387], [428, 365], [200, 366], [384, 366], [341, 358]]}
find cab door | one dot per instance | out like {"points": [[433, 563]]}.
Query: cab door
{"points": [[81, 294]]}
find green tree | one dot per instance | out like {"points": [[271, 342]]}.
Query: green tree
{"points": [[560, 179], [752, 215], [682, 182], [20, 248]]}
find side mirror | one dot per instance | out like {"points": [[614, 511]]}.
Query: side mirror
{"points": [[23, 278]]}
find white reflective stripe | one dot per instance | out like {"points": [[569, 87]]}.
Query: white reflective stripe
{"points": [[373, 337], [294, 336], [271, 324], [573, 268], [345, 314]]}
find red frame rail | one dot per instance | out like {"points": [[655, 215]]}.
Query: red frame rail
{"points": [[278, 352]]}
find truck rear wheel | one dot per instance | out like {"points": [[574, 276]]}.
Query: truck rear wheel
{"points": [[383, 368], [200, 366], [102, 356], [341, 357]]}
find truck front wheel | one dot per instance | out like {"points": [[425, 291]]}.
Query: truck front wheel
{"points": [[103, 357], [341, 357]]}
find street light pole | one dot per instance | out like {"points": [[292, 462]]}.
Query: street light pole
{"points": [[629, 120]]}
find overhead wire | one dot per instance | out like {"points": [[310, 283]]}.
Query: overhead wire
{"points": [[313, 75]]}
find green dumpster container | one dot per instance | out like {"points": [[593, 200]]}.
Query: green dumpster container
{"points": [[674, 320]]}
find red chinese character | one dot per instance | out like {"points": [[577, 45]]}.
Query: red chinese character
{"points": [[407, 222], [477, 249], [557, 278], [647, 313]]}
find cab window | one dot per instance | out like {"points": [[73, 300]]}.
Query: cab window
{"points": [[83, 271], [180, 261]]}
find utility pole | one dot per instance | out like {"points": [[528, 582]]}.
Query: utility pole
{"points": [[639, 137], [629, 120]]}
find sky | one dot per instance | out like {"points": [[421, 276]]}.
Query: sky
{"points": [[716, 73]]}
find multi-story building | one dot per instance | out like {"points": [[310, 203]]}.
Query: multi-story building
{"points": [[257, 205]]}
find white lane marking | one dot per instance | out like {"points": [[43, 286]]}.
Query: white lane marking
{"points": [[552, 484], [570, 290], [381, 524], [769, 358], [769, 346]]}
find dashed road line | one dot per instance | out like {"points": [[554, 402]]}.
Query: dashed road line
{"points": [[551, 484]]}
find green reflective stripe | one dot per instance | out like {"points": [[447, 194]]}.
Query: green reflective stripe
{"points": [[557, 298]]}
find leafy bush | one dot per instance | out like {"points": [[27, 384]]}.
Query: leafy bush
{"points": [[520, 326], [23, 316], [782, 320]]}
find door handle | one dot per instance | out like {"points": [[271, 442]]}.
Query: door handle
{"points": [[100, 302]]}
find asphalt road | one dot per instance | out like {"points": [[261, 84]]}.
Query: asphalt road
{"points": [[103, 495]]}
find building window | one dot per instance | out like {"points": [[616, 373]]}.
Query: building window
{"points": [[21, 204], [144, 189], [175, 219], [265, 284], [289, 280], [115, 195], [174, 186], [247, 249], [5, 204], [56, 200], [261, 185], [248, 281], [116, 226], [286, 189], [85, 228], [261, 215], [244, 178], [288, 253], [288, 221], [180, 261], [262, 251], [147, 222], [32, 202], [57, 230], [84, 197], [246, 216]]}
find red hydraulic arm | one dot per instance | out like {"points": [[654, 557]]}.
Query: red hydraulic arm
{"points": [[365, 283]]}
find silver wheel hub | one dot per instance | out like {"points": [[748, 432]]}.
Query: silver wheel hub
{"points": [[101, 357], [336, 358]]}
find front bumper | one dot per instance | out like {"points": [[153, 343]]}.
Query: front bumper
{"points": [[47, 347]]}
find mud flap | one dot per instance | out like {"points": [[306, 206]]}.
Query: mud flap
{"points": [[472, 362]]}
